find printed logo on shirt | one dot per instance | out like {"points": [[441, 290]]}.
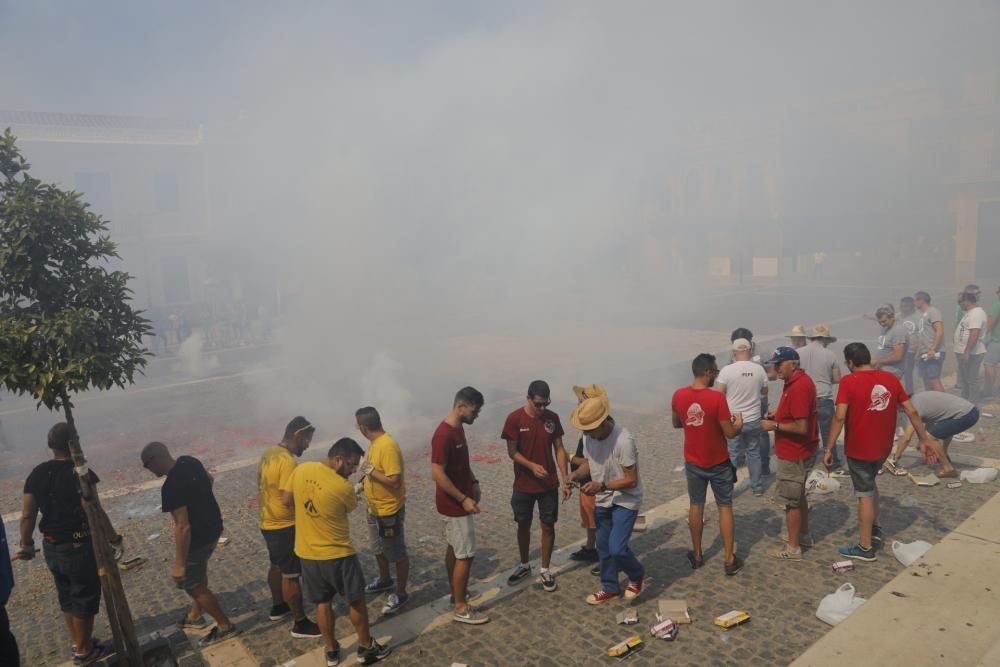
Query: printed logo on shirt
{"points": [[880, 399], [550, 427], [910, 326], [695, 415], [523, 430], [310, 508]]}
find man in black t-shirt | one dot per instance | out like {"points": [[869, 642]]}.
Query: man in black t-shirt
{"points": [[53, 488], [187, 495]]}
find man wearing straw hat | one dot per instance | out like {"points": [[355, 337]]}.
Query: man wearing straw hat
{"points": [[820, 364], [612, 460], [797, 336]]}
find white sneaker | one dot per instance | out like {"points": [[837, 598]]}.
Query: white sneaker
{"points": [[964, 437]]}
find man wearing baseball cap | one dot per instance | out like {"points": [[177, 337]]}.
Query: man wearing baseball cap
{"points": [[612, 462], [796, 437]]}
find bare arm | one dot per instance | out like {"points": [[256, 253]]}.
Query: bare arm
{"points": [[629, 480], [938, 335], [796, 426], [730, 428], [582, 471], [916, 422], [288, 499], [835, 375], [441, 478], [392, 481], [903, 442], [29, 516], [973, 339], [562, 461], [676, 419], [720, 387], [182, 536], [836, 426], [898, 352]]}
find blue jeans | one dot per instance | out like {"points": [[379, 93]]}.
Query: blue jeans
{"points": [[825, 410], [746, 445], [765, 443], [614, 529]]}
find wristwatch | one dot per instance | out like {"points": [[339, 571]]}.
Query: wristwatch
{"points": [[604, 487], [777, 427]]}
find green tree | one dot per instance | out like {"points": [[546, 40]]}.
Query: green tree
{"points": [[66, 326]]}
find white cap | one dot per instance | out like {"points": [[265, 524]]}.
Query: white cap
{"points": [[741, 345]]}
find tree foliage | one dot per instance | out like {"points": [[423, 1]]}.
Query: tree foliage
{"points": [[66, 319]]}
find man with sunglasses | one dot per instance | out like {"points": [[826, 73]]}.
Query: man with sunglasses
{"points": [[534, 443], [277, 526], [187, 495]]}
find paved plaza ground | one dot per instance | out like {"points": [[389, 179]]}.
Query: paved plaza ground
{"points": [[531, 627]]}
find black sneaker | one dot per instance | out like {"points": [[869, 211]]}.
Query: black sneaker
{"points": [[97, 651], [878, 539], [333, 657], [279, 611], [549, 582], [596, 570], [305, 629], [372, 654], [519, 574], [380, 586], [734, 567], [216, 634], [585, 555]]}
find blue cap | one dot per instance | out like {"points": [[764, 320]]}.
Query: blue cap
{"points": [[784, 353]]}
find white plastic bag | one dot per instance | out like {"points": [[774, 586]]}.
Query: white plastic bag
{"points": [[979, 475], [838, 605], [907, 554], [819, 482]]}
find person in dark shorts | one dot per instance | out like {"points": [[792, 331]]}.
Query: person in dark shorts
{"points": [[534, 443], [277, 525], [704, 415], [867, 403], [187, 495], [53, 488], [944, 416], [323, 498]]}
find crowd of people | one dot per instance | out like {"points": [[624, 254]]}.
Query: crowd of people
{"points": [[304, 508]]}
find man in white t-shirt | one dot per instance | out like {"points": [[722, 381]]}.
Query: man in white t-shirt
{"points": [[969, 346], [743, 382]]}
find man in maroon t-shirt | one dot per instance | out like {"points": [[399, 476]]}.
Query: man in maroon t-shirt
{"points": [[457, 498], [534, 443], [867, 401], [796, 437], [704, 415]]}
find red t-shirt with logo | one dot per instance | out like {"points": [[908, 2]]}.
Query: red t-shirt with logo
{"points": [[798, 401], [872, 398], [534, 437], [449, 448], [700, 411]]}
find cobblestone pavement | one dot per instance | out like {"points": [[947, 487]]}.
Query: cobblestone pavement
{"points": [[533, 627]]}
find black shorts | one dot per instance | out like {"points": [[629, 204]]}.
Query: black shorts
{"points": [[523, 505], [281, 551], [322, 579], [74, 569]]}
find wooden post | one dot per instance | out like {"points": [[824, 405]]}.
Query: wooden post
{"points": [[115, 603]]}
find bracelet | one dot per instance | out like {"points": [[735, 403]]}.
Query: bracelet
{"points": [[462, 501]]}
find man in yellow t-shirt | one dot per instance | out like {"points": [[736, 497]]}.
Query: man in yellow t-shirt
{"points": [[385, 492], [322, 498], [277, 525]]}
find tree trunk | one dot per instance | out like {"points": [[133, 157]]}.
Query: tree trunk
{"points": [[120, 618]]}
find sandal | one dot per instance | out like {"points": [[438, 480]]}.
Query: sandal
{"points": [[695, 562]]}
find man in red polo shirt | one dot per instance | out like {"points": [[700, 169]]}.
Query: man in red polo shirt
{"points": [[534, 443], [796, 437], [867, 402], [457, 498], [704, 415]]}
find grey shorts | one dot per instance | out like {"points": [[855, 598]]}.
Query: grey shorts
{"points": [[863, 474], [386, 535], [281, 551], [196, 569], [460, 535], [322, 579], [791, 487], [992, 355]]}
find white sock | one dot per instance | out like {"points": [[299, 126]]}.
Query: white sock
{"points": [[543, 570]]}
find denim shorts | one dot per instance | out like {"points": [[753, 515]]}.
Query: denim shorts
{"points": [[930, 369], [863, 474], [947, 428], [722, 478], [74, 569]]}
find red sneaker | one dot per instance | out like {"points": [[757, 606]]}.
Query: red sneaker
{"points": [[601, 596], [633, 589]]}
